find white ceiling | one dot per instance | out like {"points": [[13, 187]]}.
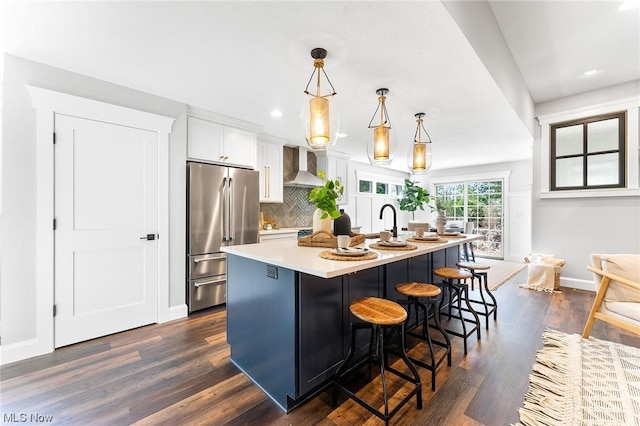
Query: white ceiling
{"points": [[244, 59]]}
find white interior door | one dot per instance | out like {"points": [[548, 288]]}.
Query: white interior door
{"points": [[106, 201]]}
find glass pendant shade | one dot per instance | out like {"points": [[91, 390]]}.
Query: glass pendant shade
{"points": [[319, 125], [420, 156], [381, 144], [319, 120]]}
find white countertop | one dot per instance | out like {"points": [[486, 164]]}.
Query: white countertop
{"points": [[287, 254]]}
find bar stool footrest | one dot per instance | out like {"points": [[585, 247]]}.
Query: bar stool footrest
{"points": [[372, 409], [480, 302]]}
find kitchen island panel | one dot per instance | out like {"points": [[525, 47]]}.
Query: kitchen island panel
{"points": [[365, 283], [261, 325], [325, 321], [321, 315]]}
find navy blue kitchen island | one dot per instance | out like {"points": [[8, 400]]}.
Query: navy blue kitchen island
{"points": [[288, 309]]}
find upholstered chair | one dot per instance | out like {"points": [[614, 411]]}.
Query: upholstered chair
{"points": [[617, 279]]}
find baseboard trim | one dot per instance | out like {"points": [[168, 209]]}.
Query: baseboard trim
{"points": [[177, 312], [29, 348], [18, 351], [578, 284]]}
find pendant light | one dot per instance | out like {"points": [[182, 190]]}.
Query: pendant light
{"points": [[318, 119], [381, 145], [420, 156]]}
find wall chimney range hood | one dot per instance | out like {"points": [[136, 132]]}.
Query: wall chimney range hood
{"points": [[301, 177]]}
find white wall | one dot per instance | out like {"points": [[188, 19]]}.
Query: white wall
{"points": [[573, 228], [18, 264]]}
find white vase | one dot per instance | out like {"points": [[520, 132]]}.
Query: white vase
{"points": [[441, 222], [321, 224]]}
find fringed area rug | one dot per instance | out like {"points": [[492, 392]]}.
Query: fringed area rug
{"points": [[578, 381]]}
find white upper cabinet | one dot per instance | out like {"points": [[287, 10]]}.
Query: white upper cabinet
{"points": [[218, 143], [334, 164], [271, 171], [204, 139], [239, 147]]}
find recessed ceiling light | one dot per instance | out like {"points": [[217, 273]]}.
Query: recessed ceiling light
{"points": [[276, 113], [341, 135], [591, 72], [629, 4]]}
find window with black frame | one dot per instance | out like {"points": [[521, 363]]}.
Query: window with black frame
{"points": [[588, 153]]}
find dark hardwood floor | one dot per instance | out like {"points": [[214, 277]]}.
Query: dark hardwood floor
{"points": [[179, 373]]}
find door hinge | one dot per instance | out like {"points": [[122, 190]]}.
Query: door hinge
{"points": [[54, 138], [55, 224], [55, 310]]}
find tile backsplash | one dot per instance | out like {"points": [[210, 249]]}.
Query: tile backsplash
{"points": [[295, 212]]}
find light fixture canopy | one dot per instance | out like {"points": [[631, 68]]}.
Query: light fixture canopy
{"points": [[319, 119], [381, 144], [420, 156]]}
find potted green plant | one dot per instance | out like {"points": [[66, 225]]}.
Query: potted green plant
{"points": [[413, 197], [324, 198]]}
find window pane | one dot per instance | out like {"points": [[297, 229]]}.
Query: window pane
{"points": [[495, 186], [603, 169], [569, 140], [381, 188], [569, 172], [364, 186], [602, 136]]}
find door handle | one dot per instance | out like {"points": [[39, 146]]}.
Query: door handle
{"points": [[209, 282], [232, 223], [269, 184], [211, 257], [149, 237]]}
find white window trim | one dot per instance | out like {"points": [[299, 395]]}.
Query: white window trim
{"points": [[502, 174], [632, 177], [48, 103]]}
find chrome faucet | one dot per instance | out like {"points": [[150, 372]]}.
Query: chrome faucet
{"points": [[394, 230]]}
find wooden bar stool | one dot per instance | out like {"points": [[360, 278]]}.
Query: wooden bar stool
{"points": [[429, 292], [455, 281], [379, 315], [479, 271]]}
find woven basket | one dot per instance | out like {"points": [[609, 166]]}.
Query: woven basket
{"points": [[327, 239], [557, 268]]}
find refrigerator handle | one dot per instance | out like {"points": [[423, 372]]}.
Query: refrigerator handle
{"points": [[232, 225], [225, 216]]}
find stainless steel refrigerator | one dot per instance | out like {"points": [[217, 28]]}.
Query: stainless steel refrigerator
{"points": [[223, 209]]}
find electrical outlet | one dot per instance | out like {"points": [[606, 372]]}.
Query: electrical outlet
{"points": [[272, 272]]}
